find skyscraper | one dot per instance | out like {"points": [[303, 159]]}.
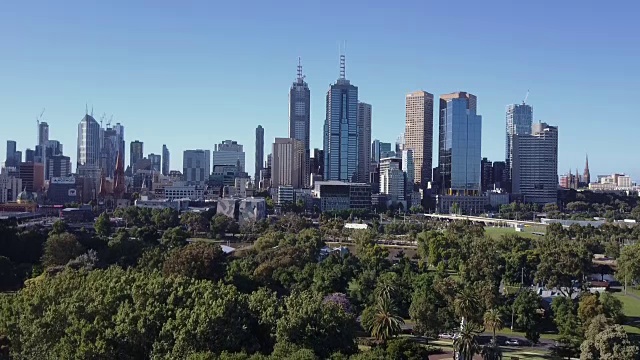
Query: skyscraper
{"points": [[364, 141], [519, 120], [109, 154], [119, 129], [136, 153], [535, 164], [156, 162], [459, 144], [229, 152], [418, 133], [409, 167], [287, 163], [10, 159], [166, 160], [259, 153], [196, 165], [43, 133], [300, 117], [341, 130], [392, 179], [486, 175], [89, 142]]}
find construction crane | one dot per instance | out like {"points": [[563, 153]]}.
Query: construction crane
{"points": [[102, 117], [526, 97], [39, 118], [109, 121]]}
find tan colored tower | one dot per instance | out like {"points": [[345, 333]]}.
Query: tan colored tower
{"points": [[287, 167], [418, 133]]}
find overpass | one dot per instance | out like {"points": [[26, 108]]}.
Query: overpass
{"points": [[485, 220]]}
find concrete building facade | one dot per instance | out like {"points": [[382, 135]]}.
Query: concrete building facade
{"points": [[364, 141], [287, 168], [535, 164], [418, 133], [196, 167]]}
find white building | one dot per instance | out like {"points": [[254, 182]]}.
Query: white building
{"points": [[181, 190], [10, 187], [196, 165], [228, 152], [285, 194], [392, 180], [535, 164], [178, 205]]}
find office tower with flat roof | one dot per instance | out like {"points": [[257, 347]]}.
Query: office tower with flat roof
{"points": [[89, 143], [109, 153], [287, 167], [300, 117], [229, 152], [166, 160], [418, 133], [460, 143], [392, 179], [340, 142], [156, 162], [535, 164], [318, 162], [486, 175], [136, 153], [10, 159], [409, 166], [364, 141], [196, 167], [43, 133], [519, 119], [259, 153]]}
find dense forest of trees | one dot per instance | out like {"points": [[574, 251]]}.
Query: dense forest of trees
{"points": [[146, 292]]}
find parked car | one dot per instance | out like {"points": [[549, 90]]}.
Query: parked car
{"points": [[512, 342]]}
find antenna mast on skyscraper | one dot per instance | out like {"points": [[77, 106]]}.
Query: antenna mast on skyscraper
{"points": [[300, 76], [343, 61]]}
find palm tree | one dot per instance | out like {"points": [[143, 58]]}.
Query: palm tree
{"points": [[466, 305], [465, 344], [493, 322], [386, 323], [491, 352]]}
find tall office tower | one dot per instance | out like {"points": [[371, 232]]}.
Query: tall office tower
{"points": [[318, 157], [300, 117], [340, 140], [43, 133], [29, 155], [459, 144], [486, 175], [196, 165], [364, 141], [18, 158], [136, 153], [10, 160], [500, 174], [399, 143], [535, 164], [586, 175], [385, 151], [409, 167], [89, 142], [109, 153], [119, 129], [58, 166], [259, 153], [230, 153], [375, 151], [156, 162], [287, 168], [418, 133], [392, 179], [166, 160], [519, 120], [32, 175]]}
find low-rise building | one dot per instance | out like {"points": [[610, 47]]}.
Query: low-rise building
{"points": [[338, 195], [180, 190], [178, 204], [62, 190], [252, 209], [459, 204]]}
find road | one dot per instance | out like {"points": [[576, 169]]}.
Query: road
{"points": [[485, 220]]}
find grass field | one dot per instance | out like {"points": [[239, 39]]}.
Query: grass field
{"points": [[631, 309], [497, 232]]}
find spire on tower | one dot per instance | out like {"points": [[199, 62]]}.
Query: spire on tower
{"points": [[300, 76], [342, 67], [586, 166]]}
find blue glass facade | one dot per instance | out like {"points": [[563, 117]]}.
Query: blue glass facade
{"points": [[341, 132], [460, 144]]}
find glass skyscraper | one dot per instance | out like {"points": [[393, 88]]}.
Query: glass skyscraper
{"points": [[341, 130], [459, 144], [89, 142], [519, 120], [300, 117]]}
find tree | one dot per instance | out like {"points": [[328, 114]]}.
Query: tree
{"points": [[198, 260], [466, 305], [613, 307], [60, 248], [7, 274], [588, 308], [562, 264], [125, 250], [58, 227], [168, 218], [385, 323], [491, 352], [628, 270], [565, 316], [465, 344], [610, 344], [493, 322], [103, 225], [194, 221], [219, 224], [174, 237], [528, 318], [429, 309]]}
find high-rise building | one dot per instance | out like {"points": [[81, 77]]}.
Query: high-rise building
{"points": [[380, 150], [259, 153], [409, 166], [459, 144], [486, 175], [364, 141], [586, 175], [399, 143], [136, 153], [29, 155], [109, 154], [392, 178], [166, 160], [318, 162], [43, 133], [418, 133], [89, 144], [300, 117], [228, 152], [156, 162], [500, 175], [341, 130], [32, 175], [535, 164], [196, 165], [119, 129], [519, 119], [58, 166], [288, 163], [10, 159], [18, 158]]}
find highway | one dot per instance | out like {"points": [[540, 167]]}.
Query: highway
{"points": [[485, 220]]}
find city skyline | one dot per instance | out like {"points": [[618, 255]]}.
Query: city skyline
{"points": [[134, 94]]}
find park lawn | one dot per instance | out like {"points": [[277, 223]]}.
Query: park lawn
{"points": [[631, 309], [497, 232], [524, 352]]}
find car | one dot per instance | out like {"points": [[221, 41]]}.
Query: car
{"points": [[512, 342], [446, 336]]}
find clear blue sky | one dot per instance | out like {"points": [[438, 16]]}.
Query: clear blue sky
{"points": [[193, 73]]}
